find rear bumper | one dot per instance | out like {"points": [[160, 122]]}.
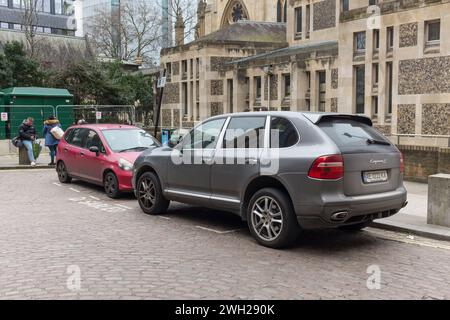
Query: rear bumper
{"points": [[358, 209]]}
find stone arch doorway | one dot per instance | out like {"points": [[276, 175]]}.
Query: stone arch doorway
{"points": [[234, 12]]}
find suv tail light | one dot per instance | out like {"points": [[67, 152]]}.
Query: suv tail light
{"points": [[327, 168], [402, 163]]}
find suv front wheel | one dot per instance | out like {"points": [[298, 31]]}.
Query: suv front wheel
{"points": [[150, 196], [271, 219]]}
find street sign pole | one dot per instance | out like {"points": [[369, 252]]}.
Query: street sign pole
{"points": [[161, 85]]}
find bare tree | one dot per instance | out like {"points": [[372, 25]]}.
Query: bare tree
{"points": [[30, 20], [187, 11], [131, 33]]}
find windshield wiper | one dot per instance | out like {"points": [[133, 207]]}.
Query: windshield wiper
{"points": [[369, 140], [131, 149]]}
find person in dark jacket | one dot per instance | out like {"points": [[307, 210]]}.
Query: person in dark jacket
{"points": [[50, 141], [27, 133]]}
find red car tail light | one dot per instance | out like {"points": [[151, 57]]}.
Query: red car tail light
{"points": [[327, 168], [402, 163]]}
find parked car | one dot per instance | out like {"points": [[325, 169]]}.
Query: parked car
{"points": [[102, 154], [306, 171]]}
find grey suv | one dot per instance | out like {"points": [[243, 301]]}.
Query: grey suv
{"points": [[282, 172]]}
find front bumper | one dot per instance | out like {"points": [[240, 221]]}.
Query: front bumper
{"points": [[359, 209], [125, 180]]}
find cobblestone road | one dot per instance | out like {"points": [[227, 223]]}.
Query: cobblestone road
{"points": [[50, 233]]}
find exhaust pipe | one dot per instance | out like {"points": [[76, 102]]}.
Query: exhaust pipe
{"points": [[339, 216]]}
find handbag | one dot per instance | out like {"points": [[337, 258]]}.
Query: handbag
{"points": [[17, 142], [57, 133]]}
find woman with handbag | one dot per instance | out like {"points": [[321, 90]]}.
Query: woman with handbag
{"points": [[52, 134]]}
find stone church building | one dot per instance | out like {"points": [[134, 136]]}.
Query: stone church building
{"points": [[387, 59]]}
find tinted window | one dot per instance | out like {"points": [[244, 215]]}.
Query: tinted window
{"points": [[204, 136], [283, 133], [79, 137], [352, 136], [93, 140], [245, 132], [69, 135]]}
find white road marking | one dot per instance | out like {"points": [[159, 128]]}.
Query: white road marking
{"points": [[165, 218], [99, 205], [124, 207], [95, 198], [218, 231], [75, 190], [57, 184]]}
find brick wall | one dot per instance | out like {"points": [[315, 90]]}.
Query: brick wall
{"points": [[421, 162]]}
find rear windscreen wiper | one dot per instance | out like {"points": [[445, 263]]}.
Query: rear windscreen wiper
{"points": [[373, 141], [369, 140]]}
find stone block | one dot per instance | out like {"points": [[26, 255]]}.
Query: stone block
{"points": [[439, 200]]}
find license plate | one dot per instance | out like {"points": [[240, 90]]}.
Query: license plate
{"points": [[375, 176]]}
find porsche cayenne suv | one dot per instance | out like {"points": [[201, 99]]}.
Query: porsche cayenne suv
{"points": [[282, 172]]}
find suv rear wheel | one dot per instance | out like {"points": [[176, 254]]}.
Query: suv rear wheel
{"points": [[271, 219], [150, 196]]}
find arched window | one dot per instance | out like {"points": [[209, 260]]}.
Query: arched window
{"points": [[234, 12], [281, 10]]}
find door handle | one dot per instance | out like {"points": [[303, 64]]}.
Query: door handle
{"points": [[251, 162], [82, 154]]}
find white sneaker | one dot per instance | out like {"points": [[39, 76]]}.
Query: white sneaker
{"points": [[33, 164]]}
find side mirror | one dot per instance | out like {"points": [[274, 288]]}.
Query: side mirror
{"points": [[95, 150]]}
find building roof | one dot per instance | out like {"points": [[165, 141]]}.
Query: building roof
{"points": [[37, 91], [254, 33], [290, 51], [248, 31]]}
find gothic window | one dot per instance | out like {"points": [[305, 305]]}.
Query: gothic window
{"points": [[235, 12], [281, 11]]}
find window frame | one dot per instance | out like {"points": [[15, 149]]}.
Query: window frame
{"points": [[231, 118], [270, 135], [427, 32], [219, 140]]}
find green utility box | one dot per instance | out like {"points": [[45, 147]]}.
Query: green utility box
{"points": [[38, 103]]}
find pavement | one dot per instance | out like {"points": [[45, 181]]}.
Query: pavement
{"points": [[11, 161], [413, 218], [72, 242]]}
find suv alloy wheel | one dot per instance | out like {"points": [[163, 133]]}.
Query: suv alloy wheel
{"points": [[150, 196], [271, 219]]}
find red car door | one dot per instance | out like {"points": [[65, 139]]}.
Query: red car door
{"points": [[72, 151], [92, 164]]}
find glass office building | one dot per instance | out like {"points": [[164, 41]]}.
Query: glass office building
{"points": [[54, 16]]}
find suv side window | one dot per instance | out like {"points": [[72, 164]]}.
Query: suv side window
{"points": [[93, 140], [283, 133], [79, 137], [245, 133], [204, 136]]}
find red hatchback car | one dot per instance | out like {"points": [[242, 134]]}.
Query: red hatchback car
{"points": [[102, 154]]}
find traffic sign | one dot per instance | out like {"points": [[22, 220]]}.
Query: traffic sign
{"points": [[98, 115], [162, 82], [4, 116]]}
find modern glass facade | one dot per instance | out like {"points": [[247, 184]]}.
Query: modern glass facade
{"points": [[54, 16]]}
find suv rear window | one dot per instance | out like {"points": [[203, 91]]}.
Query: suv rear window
{"points": [[352, 136]]}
